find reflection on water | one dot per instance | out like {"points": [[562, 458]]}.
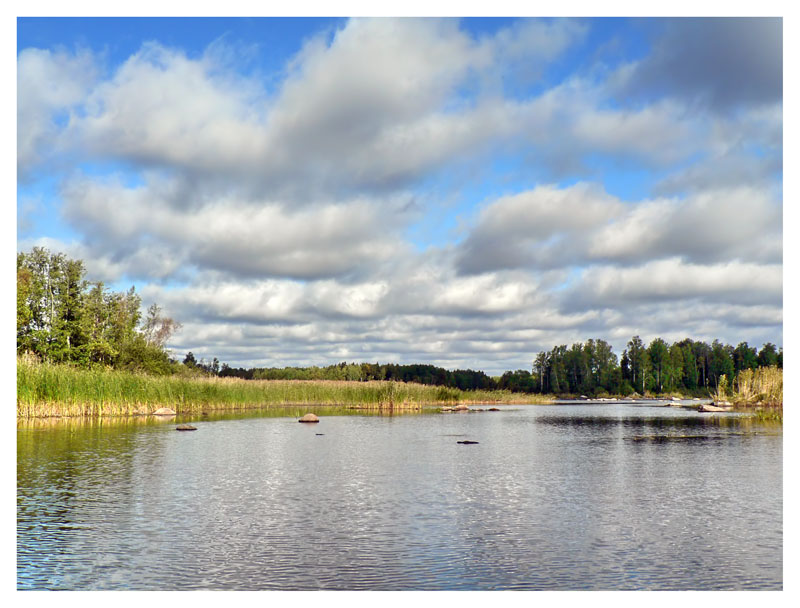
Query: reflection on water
{"points": [[552, 497]]}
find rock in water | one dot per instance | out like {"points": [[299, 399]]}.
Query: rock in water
{"points": [[185, 427], [164, 411], [467, 442], [309, 418], [494, 409]]}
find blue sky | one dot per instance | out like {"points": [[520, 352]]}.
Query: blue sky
{"points": [[465, 192]]}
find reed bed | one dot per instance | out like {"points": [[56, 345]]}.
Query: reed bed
{"points": [[762, 386], [61, 390]]}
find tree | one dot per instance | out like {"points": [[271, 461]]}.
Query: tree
{"points": [[603, 362], [637, 361], [157, 329], [189, 360], [61, 317], [768, 355], [673, 371], [702, 357], [690, 375], [540, 371], [658, 351], [721, 362], [744, 357]]}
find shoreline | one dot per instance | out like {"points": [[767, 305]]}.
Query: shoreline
{"points": [[52, 390]]}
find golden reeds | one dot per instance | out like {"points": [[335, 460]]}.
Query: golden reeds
{"points": [[61, 390]]}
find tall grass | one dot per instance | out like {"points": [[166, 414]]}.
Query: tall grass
{"points": [[762, 386], [60, 390]]}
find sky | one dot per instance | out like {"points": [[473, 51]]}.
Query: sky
{"points": [[460, 192]]}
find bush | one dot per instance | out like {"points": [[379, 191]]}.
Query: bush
{"points": [[137, 355]]}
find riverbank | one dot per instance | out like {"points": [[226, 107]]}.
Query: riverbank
{"points": [[61, 390]]}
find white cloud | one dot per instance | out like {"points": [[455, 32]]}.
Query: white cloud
{"points": [[550, 227], [49, 85], [672, 279], [229, 235], [270, 220]]}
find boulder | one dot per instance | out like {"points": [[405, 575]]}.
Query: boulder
{"points": [[717, 407], [460, 408], [164, 411], [494, 409], [309, 418], [185, 427]]}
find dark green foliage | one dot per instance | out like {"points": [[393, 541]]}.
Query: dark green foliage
{"points": [[136, 355], [686, 366], [520, 381], [768, 356], [744, 357], [721, 363], [61, 318]]}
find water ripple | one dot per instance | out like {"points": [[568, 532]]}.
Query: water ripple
{"points": [[552, 499]]}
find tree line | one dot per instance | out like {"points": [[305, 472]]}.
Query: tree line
{"points": [[464, 379], [686, 366], [63, 318], [591, 368]]}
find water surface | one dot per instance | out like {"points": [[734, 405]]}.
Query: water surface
{"points": [[585, 496]]}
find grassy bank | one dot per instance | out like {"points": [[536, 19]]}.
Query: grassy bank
{"points": [[61, 390]]}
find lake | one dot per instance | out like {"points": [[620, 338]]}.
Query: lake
{"points": [[561, 497]]}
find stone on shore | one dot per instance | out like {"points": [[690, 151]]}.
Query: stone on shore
{"points": [[719, 406], [309, 418], [164, 411]]}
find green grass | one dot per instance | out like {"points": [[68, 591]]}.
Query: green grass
{"points": [[60, 390]]}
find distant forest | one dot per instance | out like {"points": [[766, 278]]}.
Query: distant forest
{"points": [[590, 368], [63, 318]]}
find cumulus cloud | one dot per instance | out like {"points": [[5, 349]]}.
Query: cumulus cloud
{"points": [[272, 219], [672, 279], [49, 85], [550, 227], [380, 106], [721, 63], [228, 235], [741, 223]]}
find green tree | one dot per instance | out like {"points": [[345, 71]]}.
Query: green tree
{"points": [[721, 362], [768, 355], [638, 363], [658, 351], [744, 357]]}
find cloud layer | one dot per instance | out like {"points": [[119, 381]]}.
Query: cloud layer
{"points": [[273, 216]]}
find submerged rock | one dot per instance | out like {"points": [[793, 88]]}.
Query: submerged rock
{"points": [[494, 409], [467, 442], [309, 418], [185, 427], [164, 411], [460, 408]]}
